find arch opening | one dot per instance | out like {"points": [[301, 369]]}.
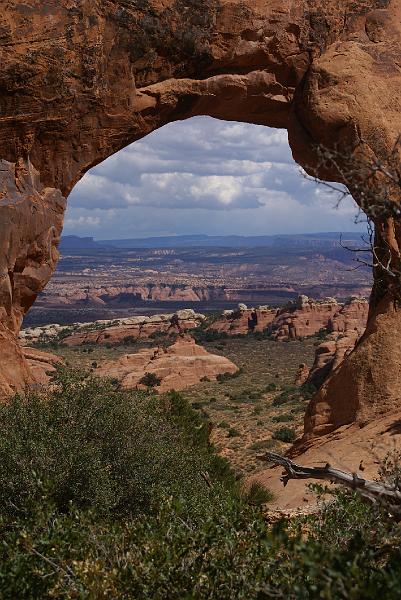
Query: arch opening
{"points": [[110, 76]]}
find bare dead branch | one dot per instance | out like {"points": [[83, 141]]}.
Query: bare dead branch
{"points": [[375, 492]]}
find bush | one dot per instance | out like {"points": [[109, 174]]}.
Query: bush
{"points": [[268, 444], [94, 447], [223, 377], [285, 418], [109, 494], [257, 494], [150, 380], [202, 335], [284, 434]]}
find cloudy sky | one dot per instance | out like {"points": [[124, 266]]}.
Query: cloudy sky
{"points": [[203, 176]]}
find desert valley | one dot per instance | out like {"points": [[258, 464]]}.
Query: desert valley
{"points": [[200, 292]]}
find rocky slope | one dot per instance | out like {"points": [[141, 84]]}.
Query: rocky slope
{"points": [[177, 367], [41, 364], [346, 328]]}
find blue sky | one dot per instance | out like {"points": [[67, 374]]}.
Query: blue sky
{"points": [[203, 176]]}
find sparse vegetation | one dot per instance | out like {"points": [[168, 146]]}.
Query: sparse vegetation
{"points": [[268, 444], [112, 494], [284, 434], [150, 380], [227, 376], [284, 418]]}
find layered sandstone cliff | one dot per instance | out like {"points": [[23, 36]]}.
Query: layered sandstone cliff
{"points": [[244, 319], [119, 295], [304, 317], [345, 330]]}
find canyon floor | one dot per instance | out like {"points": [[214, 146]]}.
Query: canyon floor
{"points": [[258, 409]]}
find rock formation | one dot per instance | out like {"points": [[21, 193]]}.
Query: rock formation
{"points": [[41, 364], [128, 294], [346, 328], [115, 331], [302, 374], [138, 328], [303, 318], [244, 320], [177, 367], [82, 79]]}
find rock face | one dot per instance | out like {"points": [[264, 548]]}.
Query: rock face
{"points": [[177, 367], [346, 327], [31, 218], [138, 328], [302, 374], [41, 364], [117, 330], [120, 295], [244, 319], [81, 79], [303, 318]]}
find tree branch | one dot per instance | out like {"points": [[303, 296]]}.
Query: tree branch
{"points": [[378, 493]]}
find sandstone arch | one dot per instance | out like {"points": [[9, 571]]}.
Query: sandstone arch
{"points": [[81, 79]]}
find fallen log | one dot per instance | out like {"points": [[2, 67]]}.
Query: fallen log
{"points": [[386, 495]]}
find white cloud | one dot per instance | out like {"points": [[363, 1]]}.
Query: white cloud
{"points": [[176, 178], [83, 221]]}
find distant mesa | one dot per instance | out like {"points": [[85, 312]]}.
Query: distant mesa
{"points": [[307, 240], [176, 367], [74, 242]]}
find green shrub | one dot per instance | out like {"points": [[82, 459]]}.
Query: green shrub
{"points": [[156, 335], [223, 377], [202, 335], [285, 418], [281, 399], [110, 494], [284, 434], [232, 432], [150, 380], [91, 446], [257, 494]]}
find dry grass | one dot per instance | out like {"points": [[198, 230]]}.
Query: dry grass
{"points": [[240, 409]]}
